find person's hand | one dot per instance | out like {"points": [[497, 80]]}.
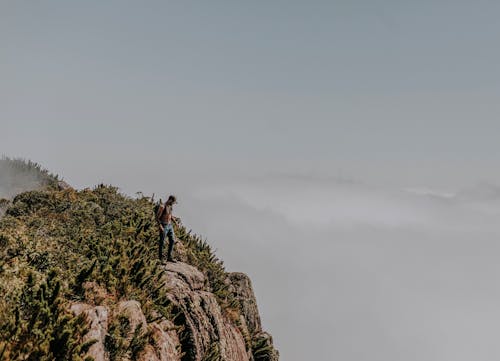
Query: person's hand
{"points": [[160, 227]]}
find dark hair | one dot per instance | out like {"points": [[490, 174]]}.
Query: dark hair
{"points": [[171, 199]]}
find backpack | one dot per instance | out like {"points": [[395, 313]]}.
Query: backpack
{"points": [[157, 207]]}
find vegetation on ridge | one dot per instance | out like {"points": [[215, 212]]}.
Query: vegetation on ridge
{"points": [[95, 245]]}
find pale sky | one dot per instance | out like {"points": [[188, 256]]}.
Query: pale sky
{"points": [[332, 83], [290, 131]]}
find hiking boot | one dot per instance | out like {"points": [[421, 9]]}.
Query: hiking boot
{"points": [[171, 260]]}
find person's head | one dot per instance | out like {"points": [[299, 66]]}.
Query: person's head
{"points": [[172, 200]]}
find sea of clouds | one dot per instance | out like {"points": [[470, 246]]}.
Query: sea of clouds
{"points": [[349, 271]]}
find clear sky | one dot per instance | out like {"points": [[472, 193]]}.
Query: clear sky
{"points": [[221, 102]]}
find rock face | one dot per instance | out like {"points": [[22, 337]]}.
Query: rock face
{"points": [[98, 319], [262, 347], [165, 343], [262, 342], [165, 340], [205, 326], [241, 286], [200, 330]]}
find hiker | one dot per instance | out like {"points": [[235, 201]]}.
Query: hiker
{"points": [[165, 220]]}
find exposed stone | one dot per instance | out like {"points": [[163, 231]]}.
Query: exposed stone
{"points": [[241, 286], [202, 316], [166, 343], [132, 310], [165, 340], [200, 325], [98, 319], [262, 342], [263, 349], [184, 278], [149, 354]]}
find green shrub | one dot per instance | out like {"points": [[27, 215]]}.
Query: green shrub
{"points": [[94, 236], [41, 328]]}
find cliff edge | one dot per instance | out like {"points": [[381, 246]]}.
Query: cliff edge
{"points": [[80, 280]]}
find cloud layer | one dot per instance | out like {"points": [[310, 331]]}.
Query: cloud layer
{"points": [[348, 271]]}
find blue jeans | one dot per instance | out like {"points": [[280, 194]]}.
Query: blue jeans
{"points": [[168, 231]]}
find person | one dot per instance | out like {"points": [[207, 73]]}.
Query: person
{"points": [[165, 219]]}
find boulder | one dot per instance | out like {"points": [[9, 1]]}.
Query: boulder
{"points": [[98, 326], [132, 311]]}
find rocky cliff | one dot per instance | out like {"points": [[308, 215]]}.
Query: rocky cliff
{"points": [[205, 332], [80, 280]]}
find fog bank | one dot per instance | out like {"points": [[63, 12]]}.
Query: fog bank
{"points": [[17, 176], [349, 271]]}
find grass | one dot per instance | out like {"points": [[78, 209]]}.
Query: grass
{"points": [[95, 246]]}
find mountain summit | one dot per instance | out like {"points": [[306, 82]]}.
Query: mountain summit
{"points": [[80, 280]]}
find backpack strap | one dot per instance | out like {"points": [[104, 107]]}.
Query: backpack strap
{"points": [[163, 211]]}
